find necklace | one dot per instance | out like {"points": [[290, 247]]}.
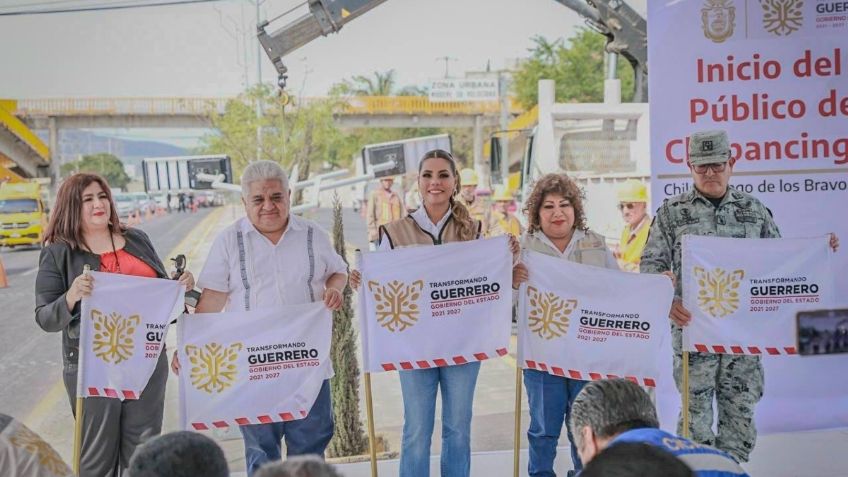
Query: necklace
{"points": [[115, 253]]}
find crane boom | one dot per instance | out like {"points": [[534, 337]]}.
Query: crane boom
{"points": [[324, 17], [625, 29]]}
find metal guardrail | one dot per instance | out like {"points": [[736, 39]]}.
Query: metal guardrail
{"points": [[359, 105]]}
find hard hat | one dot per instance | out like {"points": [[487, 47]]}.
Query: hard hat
{"points": [[632, 191], [468, 177], [501, 194]]}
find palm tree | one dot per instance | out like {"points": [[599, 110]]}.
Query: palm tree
{"points": [[382, 84]]}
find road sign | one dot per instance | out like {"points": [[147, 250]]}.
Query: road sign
{"points": [[406, 153], [464, 89], [180, 173]]}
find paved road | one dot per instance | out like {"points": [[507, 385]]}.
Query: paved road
{"points": [[31, 360]]}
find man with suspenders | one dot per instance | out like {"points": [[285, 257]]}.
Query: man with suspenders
{"points": [[266, 260]]}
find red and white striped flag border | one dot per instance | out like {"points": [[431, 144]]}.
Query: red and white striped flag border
{"points": [[586, 376], [244, 421], [111, 393], [441, 362], [752, 350]]}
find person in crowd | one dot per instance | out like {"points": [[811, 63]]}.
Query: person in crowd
{"points": [[478, 207], [384, 206], [441, 219], [609, 412], [301, 466], [24, 454], [181, 202], [412, 198], [265, 260], [179, 454], [556, 227], [168, 201], [503, 220], [711, 208], [633, 204], [84, 230], [633, 459]]}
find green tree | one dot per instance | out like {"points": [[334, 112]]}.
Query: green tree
{"points": [[349, 437], [290, 132], [380, 84], [107, 165], [577, 67]]}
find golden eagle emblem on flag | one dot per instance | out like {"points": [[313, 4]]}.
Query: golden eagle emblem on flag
{"points": [[396, 306], [549, 313], [718, 290], [113, 336], [213, 367]]}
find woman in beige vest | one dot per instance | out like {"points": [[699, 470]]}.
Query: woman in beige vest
{"points": [[440, 219], [557, 227]]}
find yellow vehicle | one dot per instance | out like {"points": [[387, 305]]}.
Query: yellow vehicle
{"points": [[23, 217]]}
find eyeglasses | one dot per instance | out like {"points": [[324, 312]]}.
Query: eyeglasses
{"points": [[627, 205], [717, 167]]}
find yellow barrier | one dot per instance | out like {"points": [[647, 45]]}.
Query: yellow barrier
{"points": [[201, 106], [20, 130]]}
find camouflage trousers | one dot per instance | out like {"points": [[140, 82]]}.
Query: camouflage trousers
{"points": [[736, 383]]}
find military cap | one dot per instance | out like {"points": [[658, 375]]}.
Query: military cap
{"points": [[708, 147]]}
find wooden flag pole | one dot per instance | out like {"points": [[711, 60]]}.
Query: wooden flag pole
{"points": [[517, 445], [78, 415], [372, 438], [685, 410]]}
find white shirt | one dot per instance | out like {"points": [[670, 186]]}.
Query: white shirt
{"points": [[278, 274], [423, 221], [578, 235]]}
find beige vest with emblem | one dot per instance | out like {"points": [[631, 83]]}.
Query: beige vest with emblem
{"points": [[589, 250], [407, 233]]}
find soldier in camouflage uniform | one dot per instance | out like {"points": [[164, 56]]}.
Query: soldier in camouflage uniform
{"points": [[710, 208]]}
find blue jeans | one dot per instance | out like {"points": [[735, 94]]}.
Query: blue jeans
{"points": [[550, 399], [419, 411], [304, 436]]}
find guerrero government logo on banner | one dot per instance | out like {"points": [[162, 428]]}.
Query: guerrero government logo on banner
{"points": [[252, 367], [122, 331], [425, 307], [743, 293], [585, 322]]}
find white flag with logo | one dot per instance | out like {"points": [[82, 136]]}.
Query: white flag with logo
{"points": [[253, 367], [744, 293], [122, 331], [425, 307], [585, 322]]}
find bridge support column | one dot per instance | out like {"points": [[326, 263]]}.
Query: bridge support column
{"points": [[480, 165], [53, 140]]}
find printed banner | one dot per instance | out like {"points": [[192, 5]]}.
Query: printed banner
{"points": [[742, 66], [584, 322], [426, 307], [122, 332], [743, 293], [252, 367]]}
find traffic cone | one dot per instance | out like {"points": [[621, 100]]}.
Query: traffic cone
{"points": [[4, 281]]}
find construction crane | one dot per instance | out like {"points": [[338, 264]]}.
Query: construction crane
{"points": [[625, 29]]}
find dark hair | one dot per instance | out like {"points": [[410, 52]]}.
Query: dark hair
{"points": [[554, 184], [179, 454], [467, 231], [635, 459], [610, 407], [65, 224], [300, 466]]}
